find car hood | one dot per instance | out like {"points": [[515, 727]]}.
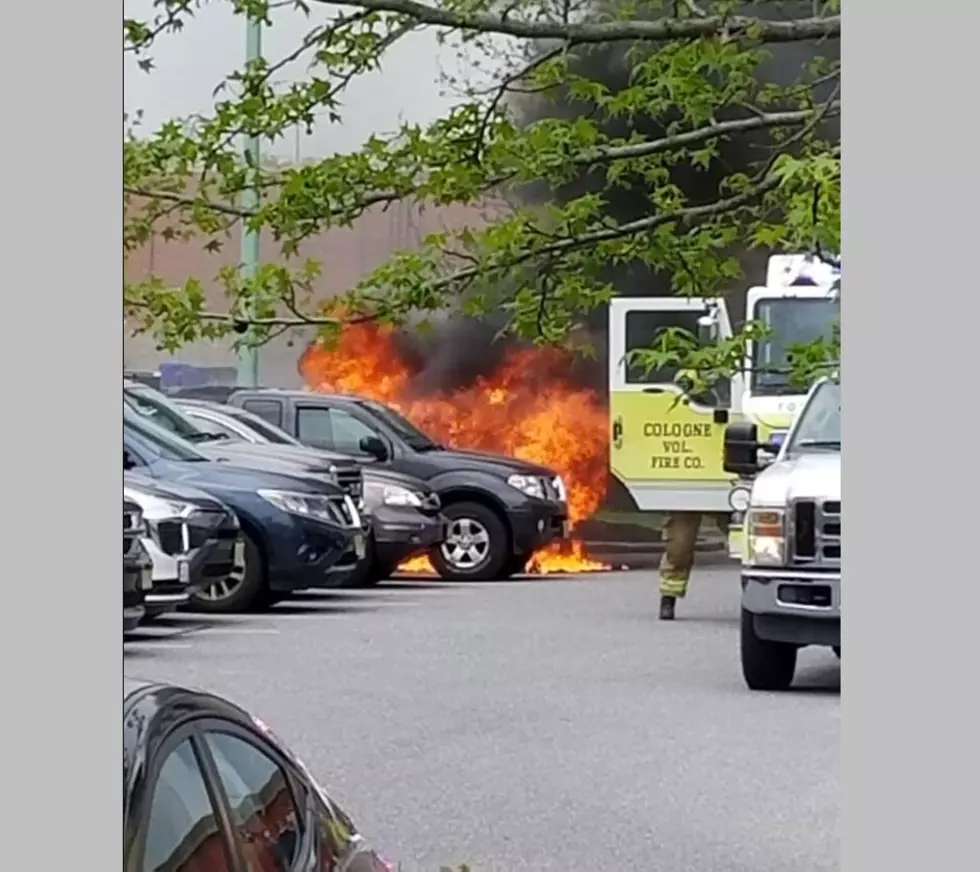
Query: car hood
{"points": [[814, 475], [232, 476], [451, 458], [399, 479], [170, 490]]}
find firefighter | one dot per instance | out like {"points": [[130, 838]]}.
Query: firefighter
{"points": [[680, 532]]}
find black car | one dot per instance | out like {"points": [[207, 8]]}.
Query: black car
{"points": [[298, 533], [137, 566], [208, 788], [195, 542], [339, 470], [500, 510], [405, 513]]}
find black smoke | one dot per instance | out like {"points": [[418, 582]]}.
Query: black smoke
{"points": [[458, 349]]}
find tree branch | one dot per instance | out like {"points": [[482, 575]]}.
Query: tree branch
{"points": [[663, 29]]}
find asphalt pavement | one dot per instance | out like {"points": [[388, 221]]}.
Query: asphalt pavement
{"points": [[550, 724]]}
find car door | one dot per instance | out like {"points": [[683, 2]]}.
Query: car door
{"points": [[330, 428], [271, 813], [182, 826]]}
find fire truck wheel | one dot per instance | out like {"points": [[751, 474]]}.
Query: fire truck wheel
{"points": [[765, 665], [476, 546]]}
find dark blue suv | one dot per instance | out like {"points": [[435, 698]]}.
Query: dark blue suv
{"points": [[299, 532]]}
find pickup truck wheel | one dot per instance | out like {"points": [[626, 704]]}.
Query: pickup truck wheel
{"points": [[765, 665], [240, 591], [477, 545]]}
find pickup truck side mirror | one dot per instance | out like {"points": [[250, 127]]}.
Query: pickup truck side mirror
{"points": [[742, 449], [374, 446]]}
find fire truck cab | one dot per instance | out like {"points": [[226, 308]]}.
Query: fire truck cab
{"points": [[666, 446]]}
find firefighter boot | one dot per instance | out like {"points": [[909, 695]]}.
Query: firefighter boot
{"points": [[680, 536]]}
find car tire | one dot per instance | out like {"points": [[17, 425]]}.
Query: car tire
{"points": [[241, 594], [765, 665], [486, 549]]}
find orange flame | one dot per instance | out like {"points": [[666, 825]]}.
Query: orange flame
{"points": [[528, 408]]}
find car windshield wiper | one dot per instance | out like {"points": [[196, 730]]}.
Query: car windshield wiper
{"points": [[205, 437], [819, 443]]}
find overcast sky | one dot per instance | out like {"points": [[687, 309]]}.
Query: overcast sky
{"points": [[189, 65]]}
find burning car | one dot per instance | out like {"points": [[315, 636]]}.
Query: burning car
{"points": [[499, 510]]}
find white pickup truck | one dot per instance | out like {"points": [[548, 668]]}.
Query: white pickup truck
{"points": [[791, 578]]}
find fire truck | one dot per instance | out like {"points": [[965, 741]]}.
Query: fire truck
{"points": [[667, 445]]}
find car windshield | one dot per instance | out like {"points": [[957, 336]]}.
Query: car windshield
{"points": [[160, 442], [792, 321], [157, 408], [819, 426], [418, 440], [259, 426]]}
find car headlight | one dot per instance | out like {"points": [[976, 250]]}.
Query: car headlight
{"points": [[305, 505], [765, 531], [160, 509], [528, 484], [377, 493]]}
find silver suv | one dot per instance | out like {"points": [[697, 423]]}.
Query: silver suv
{"points": [[791, 579]]}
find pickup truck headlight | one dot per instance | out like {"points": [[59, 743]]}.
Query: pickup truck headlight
{"points": [[528, 484], [378, 494], [765, 531]]}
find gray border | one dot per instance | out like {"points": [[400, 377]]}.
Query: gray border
{"points": [[61, 355], [909, 755]]}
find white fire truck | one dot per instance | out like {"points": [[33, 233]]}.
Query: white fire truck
{"points": [[666, 447]]}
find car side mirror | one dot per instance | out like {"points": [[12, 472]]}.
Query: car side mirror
{"points": [[741, 453], [129, 462], [375, 447]]}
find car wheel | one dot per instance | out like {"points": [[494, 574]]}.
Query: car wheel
{"points": [[765, 665], [514, 565], [240, 591], [477, 544]]}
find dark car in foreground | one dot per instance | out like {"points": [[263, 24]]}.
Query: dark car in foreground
{"points": [[500, 510], [208, 788], [137, 566], [298, 533], [405, 513], [195, 542]]}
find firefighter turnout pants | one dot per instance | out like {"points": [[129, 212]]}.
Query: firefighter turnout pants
{"points": [[680, 538]]}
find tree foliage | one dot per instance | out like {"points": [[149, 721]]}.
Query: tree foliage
{"points": [[544, 261]]}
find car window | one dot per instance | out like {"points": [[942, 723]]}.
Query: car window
{"points": [[268, 410], [348, 432], [261, 802], [314, 427], [182, 832], [211, 425]]}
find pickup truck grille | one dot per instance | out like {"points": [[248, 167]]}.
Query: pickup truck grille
{"points": [[815, 533]]}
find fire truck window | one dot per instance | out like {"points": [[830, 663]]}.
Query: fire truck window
{"points": [[270, 410], [644, 328], [261, 802], [183, 834]]}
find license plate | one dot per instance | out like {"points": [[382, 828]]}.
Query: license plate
{"points": [[360, 549], [183, 572], [146, 578], [239, 555]]}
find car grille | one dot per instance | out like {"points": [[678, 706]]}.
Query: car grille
{"points": [[196, 530], [350, 480], [816, 533], [132, 530], [345, 512]]}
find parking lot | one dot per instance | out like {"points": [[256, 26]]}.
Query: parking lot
{"points": [[543, 724]]}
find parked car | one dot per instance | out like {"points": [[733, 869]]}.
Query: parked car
{"points": [[137, 566], [500, 510], [209, 788], [194, 540], [299, 533], [339, 470], [405, 513]]}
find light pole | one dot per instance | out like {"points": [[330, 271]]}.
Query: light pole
{"points": [[248, 357]]}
